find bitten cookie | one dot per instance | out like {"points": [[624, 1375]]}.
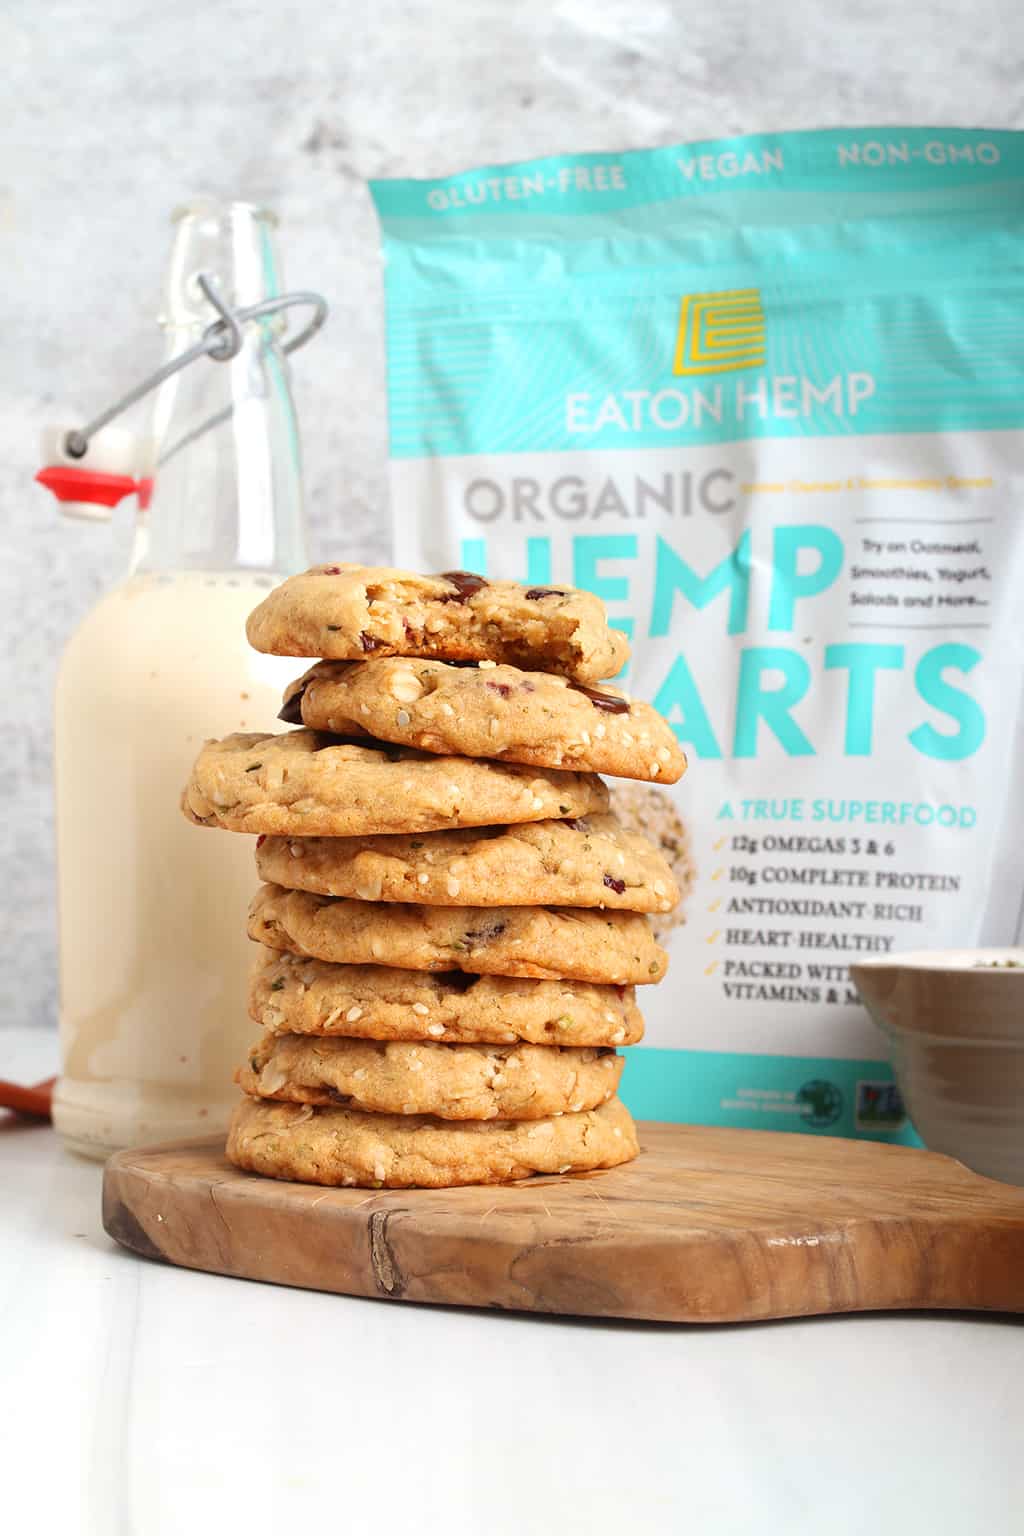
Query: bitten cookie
{"points": [[348, 1147], [550, 942], [348, 612], [303, 782], [453, 1082], [586, 862], [488, 711], [294, 994]]}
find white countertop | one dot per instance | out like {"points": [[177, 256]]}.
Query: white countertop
{"points": [[143, 1400]]}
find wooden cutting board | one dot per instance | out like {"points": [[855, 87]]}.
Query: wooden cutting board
{"points": [[706, 1226]]}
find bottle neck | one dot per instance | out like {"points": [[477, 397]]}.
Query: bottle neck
{"points": [[227, 481]]}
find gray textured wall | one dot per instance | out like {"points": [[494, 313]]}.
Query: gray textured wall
{"points": [[115, 112]]}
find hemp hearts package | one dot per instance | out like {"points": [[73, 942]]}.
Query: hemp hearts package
{"points": [[764, 396]]}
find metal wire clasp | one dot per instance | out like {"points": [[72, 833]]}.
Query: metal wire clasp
{"points": [[221, 341]]}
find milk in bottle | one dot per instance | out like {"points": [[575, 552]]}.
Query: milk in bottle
{"points": [[153, 952]]}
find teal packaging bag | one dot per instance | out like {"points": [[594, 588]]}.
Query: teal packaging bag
{"points": [[763, 396]]}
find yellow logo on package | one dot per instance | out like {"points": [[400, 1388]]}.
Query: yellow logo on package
{"points": [[719, 332]]}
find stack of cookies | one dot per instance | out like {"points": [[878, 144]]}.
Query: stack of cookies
{"points": [[452, 924]]}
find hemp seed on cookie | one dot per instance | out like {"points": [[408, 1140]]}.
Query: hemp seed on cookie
{"points": [[294, 994], [488, 711], [347, 1147], [453, 1082], [348, 612], [304, 783], [612, 948], [589, 861]]}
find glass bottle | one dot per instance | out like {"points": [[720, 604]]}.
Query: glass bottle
{"points": [[153, 947]]}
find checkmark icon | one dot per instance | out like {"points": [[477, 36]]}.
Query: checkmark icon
{"points": [[714, 937], [709, 970], [720, 844], [715, 905], [718, 873]]}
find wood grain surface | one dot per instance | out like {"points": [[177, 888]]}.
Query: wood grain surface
{"points": [[706, 1226]]}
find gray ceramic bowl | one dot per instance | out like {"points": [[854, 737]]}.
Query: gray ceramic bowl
{"points": [[955, 1021]]}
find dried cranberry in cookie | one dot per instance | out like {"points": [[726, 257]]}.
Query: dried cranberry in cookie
{"points": [[345, 612]]}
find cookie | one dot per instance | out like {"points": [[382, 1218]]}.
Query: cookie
{"points": [[453, 1082], [587, 862], [303, 782], [348, 1147], [294, 994], [651, 813], [348, 612], [488, 711], [551, 942]]}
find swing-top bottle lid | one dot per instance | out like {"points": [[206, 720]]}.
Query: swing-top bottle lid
{"points": [[89, 484], [223, 293]]}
